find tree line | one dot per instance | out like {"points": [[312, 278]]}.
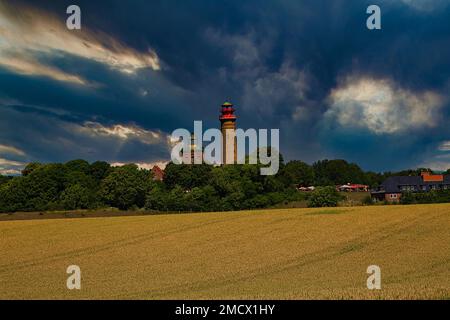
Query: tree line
{"points": [[79, 184]]}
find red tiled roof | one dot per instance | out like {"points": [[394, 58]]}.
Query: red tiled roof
{"points": [[158, 173], [429, 177]]}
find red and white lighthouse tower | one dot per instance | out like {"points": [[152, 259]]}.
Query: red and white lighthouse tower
{"points": [[228, 128]]}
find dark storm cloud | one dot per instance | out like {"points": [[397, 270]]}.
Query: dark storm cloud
{"points": [[292, 65]]}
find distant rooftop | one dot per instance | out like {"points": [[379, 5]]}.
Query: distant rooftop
{"points": [[393, 184]]}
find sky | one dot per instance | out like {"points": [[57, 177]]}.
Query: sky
{"points": [[137, 70]]}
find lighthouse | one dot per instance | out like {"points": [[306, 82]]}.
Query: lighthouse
{"points": [[228, 128]]}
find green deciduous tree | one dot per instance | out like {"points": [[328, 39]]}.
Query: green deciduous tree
{"points": [[187, 176], [77, 166], [335, 172], [4, 179], [126, 186], [297, 173], [99, 170], [30, 168], [77, 197]]}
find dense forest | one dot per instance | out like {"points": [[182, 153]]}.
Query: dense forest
{"points": [[78, 184]]}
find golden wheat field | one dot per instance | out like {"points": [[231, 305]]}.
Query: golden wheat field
{"points": [[267, 254]]}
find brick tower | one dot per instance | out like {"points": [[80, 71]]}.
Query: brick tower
{"points": [[228, 128]]}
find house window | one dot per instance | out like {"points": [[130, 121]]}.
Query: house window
{"points": [[393, 196]]}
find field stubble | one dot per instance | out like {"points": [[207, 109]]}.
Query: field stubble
{"points": [[267, 254]]}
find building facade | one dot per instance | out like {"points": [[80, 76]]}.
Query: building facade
{"points": [[392, 188]]}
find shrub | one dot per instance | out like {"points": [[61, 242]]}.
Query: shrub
{"points": [[408, 198], [325, 197], [435, 196], [367, 200]]}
